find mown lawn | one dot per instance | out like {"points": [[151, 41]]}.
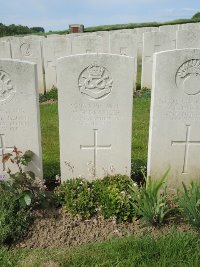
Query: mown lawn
{"points": [[174, 250], [50, 135], [50, 140], [126, 26]]}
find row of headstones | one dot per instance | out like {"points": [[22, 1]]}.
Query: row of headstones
{"points": [[130, 42], [95, 114], [170, 38], [46, 51]]}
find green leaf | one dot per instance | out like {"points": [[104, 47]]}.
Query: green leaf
{"points": [[30, 174], [27, 200], [29, 153]]}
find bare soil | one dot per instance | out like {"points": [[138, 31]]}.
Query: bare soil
{"points": [[55, 227]]}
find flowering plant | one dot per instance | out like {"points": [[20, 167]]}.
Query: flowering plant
{"points": [[30, 189]]}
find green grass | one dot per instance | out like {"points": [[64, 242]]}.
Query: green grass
{"points": [[139, 75], [50, 135], [139, 25], [51, 95], [50, 140], [140, 132], [112, 27], [175, 249], [127, 26]]}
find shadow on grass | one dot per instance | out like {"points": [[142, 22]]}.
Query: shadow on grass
{"points": [[138, 171], [51, 170]]}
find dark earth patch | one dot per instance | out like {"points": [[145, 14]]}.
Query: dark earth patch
{"points": [[55, 228]]}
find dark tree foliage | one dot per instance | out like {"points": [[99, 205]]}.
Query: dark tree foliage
{"points": [[37, 29], [196, 16], [15, 30]]}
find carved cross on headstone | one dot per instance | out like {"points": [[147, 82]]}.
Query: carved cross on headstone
{"points": [[186, 143], [4, 149], [95, 147]]}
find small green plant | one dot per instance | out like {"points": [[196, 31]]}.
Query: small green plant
{"points": [[150, 200], [30, 189], [109, 197], [189, 202], [76, 196], [19, 194], [14, 217], [113, 197], [138, 171], [51, 95], [138, 85]]}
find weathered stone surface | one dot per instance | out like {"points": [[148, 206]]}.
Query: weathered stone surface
{"points": [[192, 26], [7, 38], [54, 35], [29, 48], [188, 39], [19, 112], [5, 49], [97, 42], [171, 28], [140, 32], [95, 114], [154, 42], [174, 139], [54, 48], [124, 42]]}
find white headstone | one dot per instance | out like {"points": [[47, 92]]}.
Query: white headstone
{"points": [[95, 114], [29, 48], [171, 28], [54, 35], [54, 48], [154, 42], [7, 38], [174, 139], [71, 35], [19, 112], [5, 49], [140, 32], [188, 39], [124, 42], [192, 26], [97, 42]]}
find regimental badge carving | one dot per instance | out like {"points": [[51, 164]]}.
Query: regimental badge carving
{"points": [[188, 77], [95, 81], [25, 50], [6, 87]]}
